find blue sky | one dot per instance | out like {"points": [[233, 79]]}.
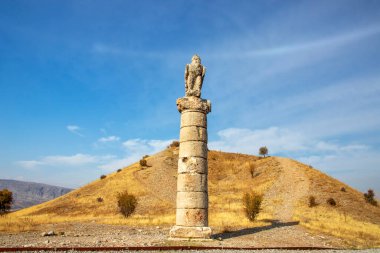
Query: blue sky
{"points": [[88, 87]]}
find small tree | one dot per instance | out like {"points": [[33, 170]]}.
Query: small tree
{"points": [[6, 200], [370, 197], [127, 203], [263, 151], [252, 204]]}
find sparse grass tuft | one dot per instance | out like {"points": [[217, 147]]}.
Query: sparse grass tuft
{"points": [[11, 224]]}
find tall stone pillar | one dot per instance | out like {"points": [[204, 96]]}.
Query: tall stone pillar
{"points": [[192, 190]]}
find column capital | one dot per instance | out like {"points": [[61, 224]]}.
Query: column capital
{"points": [[193, 103]]}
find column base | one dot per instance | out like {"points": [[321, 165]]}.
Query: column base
{"points": [[186, 233]]}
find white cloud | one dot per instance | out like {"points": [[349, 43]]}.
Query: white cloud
{"points": [[74, 129], [29, 164], [355, 164], [278, 140], [135, 148], [141, 146], [111, 138], [60, 160]]}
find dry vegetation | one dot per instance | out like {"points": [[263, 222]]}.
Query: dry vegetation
{"points": [[351, 219], [230, 176]]}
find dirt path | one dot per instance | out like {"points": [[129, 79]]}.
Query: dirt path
{"points": [[292, 185]]}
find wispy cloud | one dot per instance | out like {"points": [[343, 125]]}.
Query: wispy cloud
{"points": [[60, 160], [135, 149], [107, 139], [343, 161], [74, 129], [324, 43], [278, 140]]}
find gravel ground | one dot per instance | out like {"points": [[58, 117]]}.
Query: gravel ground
{"points": [[239, 251]]}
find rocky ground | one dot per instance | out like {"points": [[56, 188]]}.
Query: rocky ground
{"points": [[99, 235]]}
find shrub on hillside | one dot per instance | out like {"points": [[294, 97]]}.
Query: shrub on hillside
{"points": [[343, 189], [103, 176], [119, 170], [252, 169], [127, 203], [143, 162], [252, 204], [370, 197], [99, 199], [6, 200], [331, 202], [263, 151], [174, 144], [312, 202]]}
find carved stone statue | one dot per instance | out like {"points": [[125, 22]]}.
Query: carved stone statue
{"points": [[194, 74]]}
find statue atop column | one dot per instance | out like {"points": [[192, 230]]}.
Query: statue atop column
{"points": [[192, 188], [194, 74]]}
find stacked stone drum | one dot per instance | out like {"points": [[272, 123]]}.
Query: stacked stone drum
{"points": [[192, 190]]}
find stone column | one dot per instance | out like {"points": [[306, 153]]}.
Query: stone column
{"points": [[192, 192]]}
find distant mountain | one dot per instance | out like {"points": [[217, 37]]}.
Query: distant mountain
{"points": [[27, 194]]}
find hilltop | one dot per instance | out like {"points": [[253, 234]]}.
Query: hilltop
{"points": [[27, 194], [285, 183]]}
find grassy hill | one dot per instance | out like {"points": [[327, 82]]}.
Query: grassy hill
{"points": [[286, 185]]}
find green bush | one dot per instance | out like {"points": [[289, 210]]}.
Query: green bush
{"points": [[370, 197], [127, 203], [312, 202], [252, 204], [331, 202], [6, 200]]}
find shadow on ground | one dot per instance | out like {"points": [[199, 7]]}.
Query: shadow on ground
{"points": [[248, 231]]}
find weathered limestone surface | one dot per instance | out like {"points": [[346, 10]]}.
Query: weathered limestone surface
{"points": [[192, 191], [193, 133], [196, 217], [193, 118], [192, 165]]}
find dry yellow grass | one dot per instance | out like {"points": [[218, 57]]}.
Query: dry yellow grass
{"points": [[352, 219], [327, 220], [230, 176]]}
